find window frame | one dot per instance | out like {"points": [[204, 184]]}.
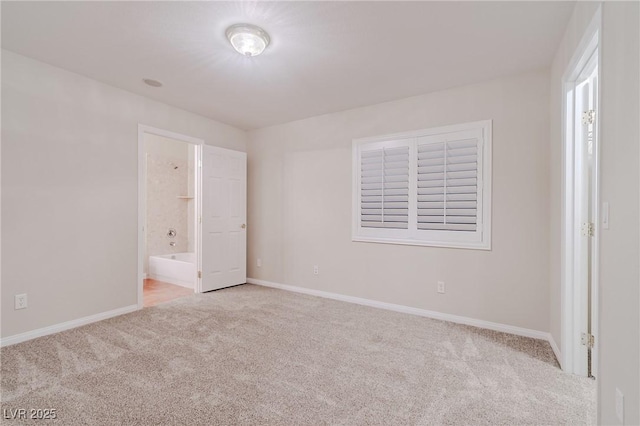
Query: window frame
{"points": [[413, 236]]}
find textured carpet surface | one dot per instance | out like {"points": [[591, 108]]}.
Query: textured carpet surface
{"points": [[253, 355]]}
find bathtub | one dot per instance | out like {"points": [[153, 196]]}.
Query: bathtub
{"points": [[178, 268]]}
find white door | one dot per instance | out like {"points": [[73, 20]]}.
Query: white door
{"points": [[224, 218], [586, 218]]}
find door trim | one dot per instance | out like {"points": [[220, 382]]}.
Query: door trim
{"points": [[572, 323], [142, 199]]}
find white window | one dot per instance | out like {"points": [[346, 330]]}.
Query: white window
{"points": [[430, 187]]}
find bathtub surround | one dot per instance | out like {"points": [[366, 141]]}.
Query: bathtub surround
{"points": [[191, 203], [177, 268], [169, 177]]}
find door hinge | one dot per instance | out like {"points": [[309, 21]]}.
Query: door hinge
{"points": [[199, 274], [588, 229], [588, 117], [588, 340], [199, 219]]}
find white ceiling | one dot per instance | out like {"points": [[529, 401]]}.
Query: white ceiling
{"points": [[324, 56]]}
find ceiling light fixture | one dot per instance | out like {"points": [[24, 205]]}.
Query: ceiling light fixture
{"points": [[247, 39], [151, 82]]}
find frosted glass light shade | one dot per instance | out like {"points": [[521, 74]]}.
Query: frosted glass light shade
{"points": [[248, 39]]}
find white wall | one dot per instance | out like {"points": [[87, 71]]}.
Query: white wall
{"points": [[300, 207], [69, 190], [620, 186]]}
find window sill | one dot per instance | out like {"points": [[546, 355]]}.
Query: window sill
{"points": [[454, 245]]}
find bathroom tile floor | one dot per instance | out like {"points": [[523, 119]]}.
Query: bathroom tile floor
{"points": [[156, 292]]}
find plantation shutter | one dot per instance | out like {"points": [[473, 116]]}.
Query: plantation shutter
{"points": [[448, 182], [429, 187], [384, 187]]}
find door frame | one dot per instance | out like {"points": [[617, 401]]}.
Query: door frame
{"points": [[142, 199], [573, 294]]}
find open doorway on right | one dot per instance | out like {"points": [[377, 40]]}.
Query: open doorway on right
{"points": [[582, 218]]}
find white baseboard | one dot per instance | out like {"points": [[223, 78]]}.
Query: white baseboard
{"points": [[519, 331], [56, 328], [556, 349]]}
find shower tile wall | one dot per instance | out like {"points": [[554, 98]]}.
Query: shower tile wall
{"points": [[168, 174], [191, 204]]}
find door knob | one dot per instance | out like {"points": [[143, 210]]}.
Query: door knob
{"points": [[243, 226]]}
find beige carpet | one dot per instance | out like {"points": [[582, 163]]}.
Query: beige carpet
{"points": [[252, 355]]}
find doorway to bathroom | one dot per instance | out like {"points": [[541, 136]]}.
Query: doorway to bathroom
{"points": [[192, 214], [169, 191]]}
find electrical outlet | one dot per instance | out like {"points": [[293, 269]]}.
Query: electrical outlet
{"points": [[259, 263], [315, 270], [441, 287], [20, 301], [620, 405]]}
